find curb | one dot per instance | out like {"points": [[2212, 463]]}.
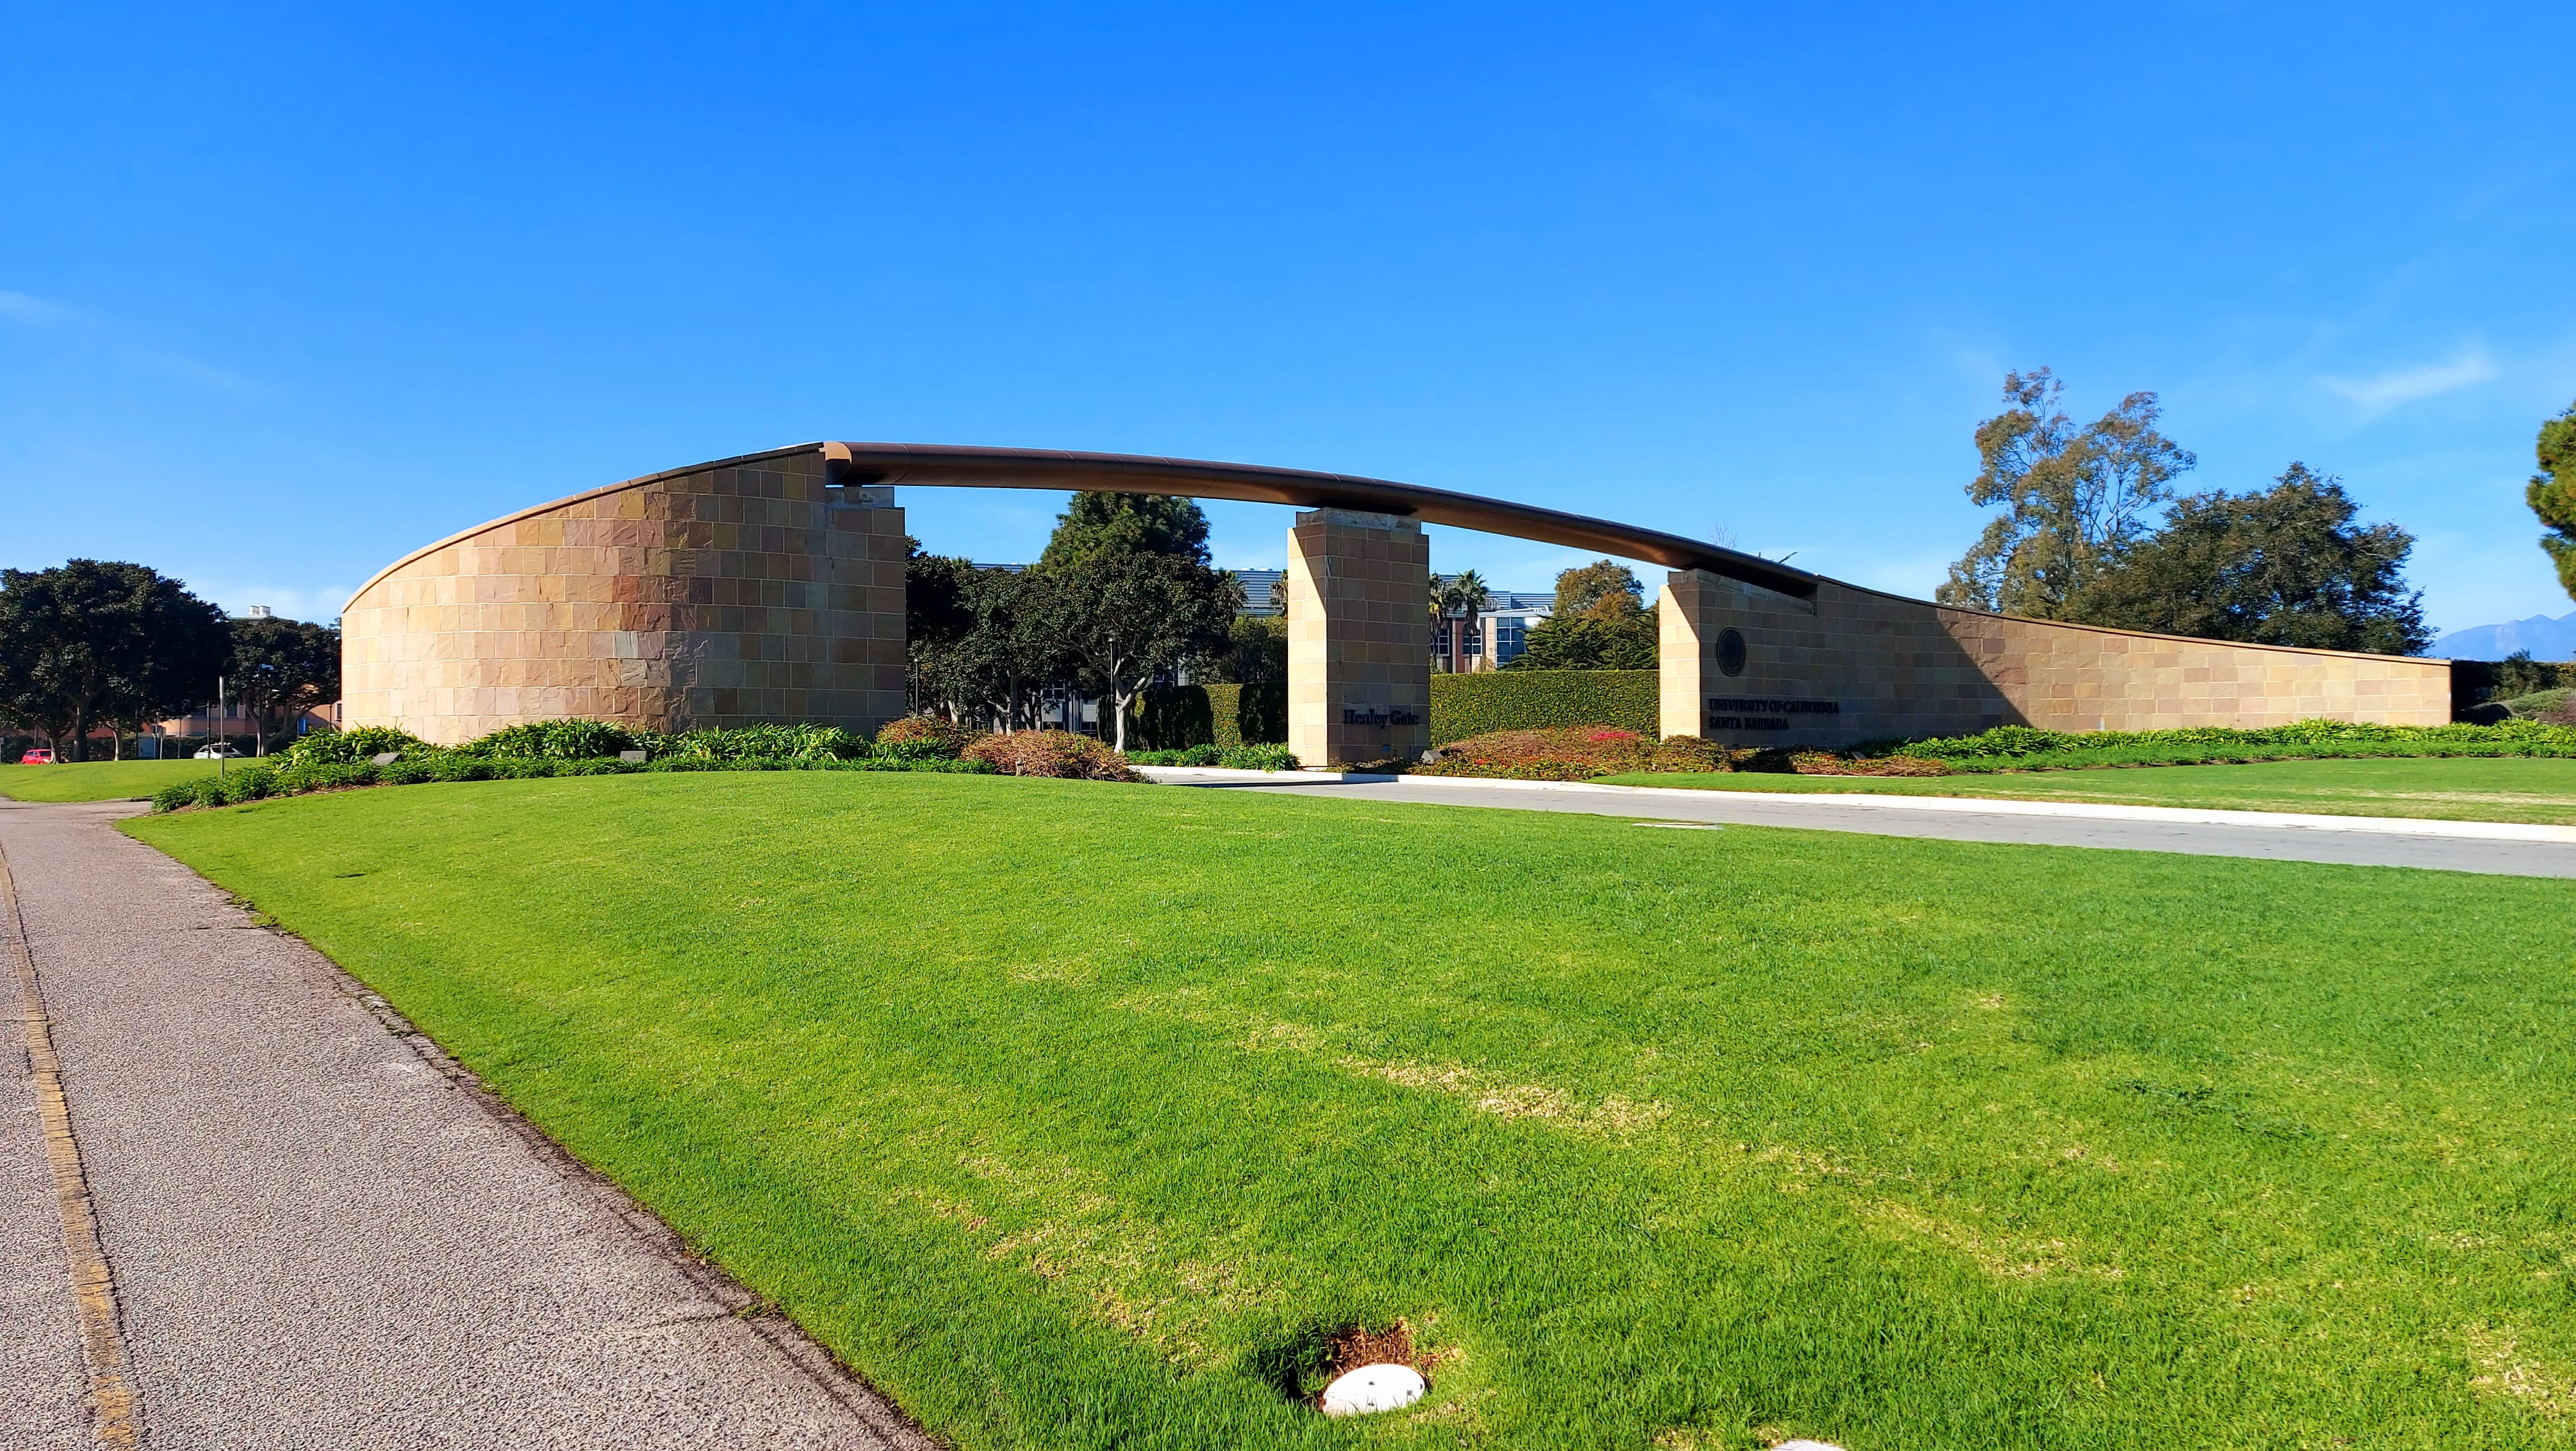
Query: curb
{"points": [[1974, 805]]}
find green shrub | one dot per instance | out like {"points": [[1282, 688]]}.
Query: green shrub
{"points": [[179, 795], [1265, 757], [1260, 715], [1202, 755], [1171, 718], [1465, 706], [290, 774], [806, 742], [1177, 717], [2027, 748], [325, 776], [917, 750], [344, 748], [2550, 706], [923, 737], [250, 783], [552, 740]]}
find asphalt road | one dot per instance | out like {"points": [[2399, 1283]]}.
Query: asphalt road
{"points": [[320, 1235], [2362, 842]]}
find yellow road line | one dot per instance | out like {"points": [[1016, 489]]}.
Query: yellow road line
{"points": [[116, 1416]]}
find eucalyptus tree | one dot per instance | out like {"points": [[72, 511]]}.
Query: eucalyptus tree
{"points": [[2072, 497]]}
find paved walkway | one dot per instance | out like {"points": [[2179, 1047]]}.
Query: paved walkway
{"points": [[317, 1236], [2496, 849]]}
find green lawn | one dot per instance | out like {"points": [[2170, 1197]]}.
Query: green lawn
{"points": [[1067, 1113], [99, 780], [2460, 788]]}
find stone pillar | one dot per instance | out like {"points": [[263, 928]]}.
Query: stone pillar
{"points": [[1359, 638], [863, 680], [1682, 659]]}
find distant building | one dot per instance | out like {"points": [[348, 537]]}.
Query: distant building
{"points": [[1502, 628], [1260, 591]]}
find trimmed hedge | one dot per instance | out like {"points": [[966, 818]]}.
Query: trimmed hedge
{"points": [[2475, 683], [2027, 748], [1238, 758], [1229, 717], [1466, 706]]}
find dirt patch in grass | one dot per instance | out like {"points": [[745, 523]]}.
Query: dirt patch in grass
{"points": [[1300, 1366]]}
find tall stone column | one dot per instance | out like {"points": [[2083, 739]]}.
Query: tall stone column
{"points": [[1359, 638], [1682, 661]]}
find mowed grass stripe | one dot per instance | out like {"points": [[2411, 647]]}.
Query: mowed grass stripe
{"points": [[1059, 1109], [102, 780]]}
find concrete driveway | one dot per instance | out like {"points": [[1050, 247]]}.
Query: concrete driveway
{"points": [[2500, 848]]}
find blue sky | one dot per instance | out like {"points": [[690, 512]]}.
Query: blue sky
{"points": [[286, 292]]}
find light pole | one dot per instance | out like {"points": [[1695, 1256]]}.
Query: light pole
{"points": [[215, 728]]}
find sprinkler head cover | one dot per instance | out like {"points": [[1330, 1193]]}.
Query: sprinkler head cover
{"points": [[1373, 1388]]}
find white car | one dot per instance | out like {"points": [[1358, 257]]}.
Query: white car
{"points": [[217, 753]]}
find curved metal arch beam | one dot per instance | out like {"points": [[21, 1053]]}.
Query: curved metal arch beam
{"points": [[955, 466]]}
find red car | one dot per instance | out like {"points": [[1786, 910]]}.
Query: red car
{"points": [[37, 758]]}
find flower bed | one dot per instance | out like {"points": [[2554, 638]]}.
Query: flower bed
{"points": [[1584, 752]]}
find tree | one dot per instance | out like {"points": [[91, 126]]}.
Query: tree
{"points": [[936, 616], [1256, 652], [1583, 590], [2287, 566], [281, 669], [1600, 623], [1129, 594], [1139, 523], [93, 641], [2071, 497], [2552, 494], [992, 660], [1125, 616], [1462, 595]]}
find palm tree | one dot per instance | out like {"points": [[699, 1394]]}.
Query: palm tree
{"points": [[1462, 595]]}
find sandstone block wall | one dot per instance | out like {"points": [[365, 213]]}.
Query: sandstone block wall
{"points": [[727, 595], [1856, 664], [1359, 637]]}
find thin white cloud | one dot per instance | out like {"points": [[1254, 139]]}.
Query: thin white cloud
{"points": [[19, 307], [2380, 392], [80, 331]]}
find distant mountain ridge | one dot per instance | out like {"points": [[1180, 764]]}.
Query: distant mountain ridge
{"points": [[2545, 638]]}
